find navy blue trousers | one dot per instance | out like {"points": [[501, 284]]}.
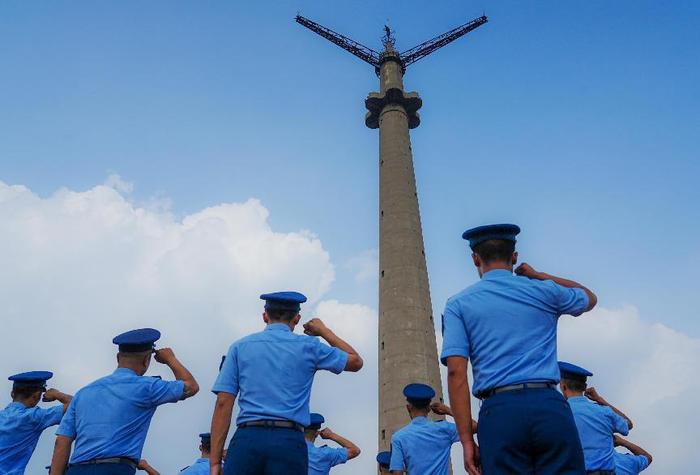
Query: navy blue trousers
{"points": [[531, 431], [101, 469], [267, 451]]}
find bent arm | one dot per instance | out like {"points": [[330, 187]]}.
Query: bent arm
{"points": [[183, 374], [570, 284], [61, 454], [634, 448], [355, 362], [353, 450], [220, 423], [600, 400]]}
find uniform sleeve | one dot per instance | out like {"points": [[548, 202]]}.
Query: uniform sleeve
{"points": [[335, 456], [227, 381], [454, 334], [641, 462], [452, 431], [67, 427], [619, 423], [48, 417], [569, 301], [398, 460], [162, 392], [329, 358]]}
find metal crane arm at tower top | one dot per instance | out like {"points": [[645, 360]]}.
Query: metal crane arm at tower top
{"points": [[361, 51], [424, 49]]}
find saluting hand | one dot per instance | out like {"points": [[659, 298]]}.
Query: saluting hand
{"points": [[315, 327], [440, 409], [526, 270], [51, 395], [592, 394], [164, 355], [326, 433]]}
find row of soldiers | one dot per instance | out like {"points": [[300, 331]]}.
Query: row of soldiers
{"points": [[504, 326]]}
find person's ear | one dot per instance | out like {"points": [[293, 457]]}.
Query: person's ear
{"points": [[266, 318], [515, 257], [201, 448], [296, 319], [476, 259]]}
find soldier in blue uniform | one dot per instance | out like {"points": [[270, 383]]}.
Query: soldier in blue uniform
{"points": [[423, 446], [271, 373], [383, 460], [322, 459], [630, 463], [22, 421], [201, 465], [109, 418], [597, 421], [505, 325]]}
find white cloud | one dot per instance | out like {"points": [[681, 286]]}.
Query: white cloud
{"points": [[650, 372], [365, 266], [79, 267]]}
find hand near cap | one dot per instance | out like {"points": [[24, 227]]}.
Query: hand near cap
{"points": [[592, 394], [326, 433], [164, 355], [440, 409], [526, 270], [51, 395], [315, 327]]}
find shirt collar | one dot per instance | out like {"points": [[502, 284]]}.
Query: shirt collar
{"points": [[278, 327], [125, 371], [16, 404], [419, 420], [578, 399], [497, 274], [202, 460]]}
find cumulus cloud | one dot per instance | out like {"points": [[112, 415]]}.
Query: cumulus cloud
{"points": [[649, 371], [79, 267]]}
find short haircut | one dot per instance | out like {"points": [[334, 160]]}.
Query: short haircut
{"points": [[27, 391], [206, 445], [282, 315], [575, 384], [420, 404], [310, 432], [495, 250]]}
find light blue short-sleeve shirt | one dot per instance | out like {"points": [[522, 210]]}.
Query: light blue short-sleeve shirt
{"points": [[322, 459], [20, 429], [199, 467], [506, 325], [423, 447], [628, 464], [110, 417], [272, 372], [596, 425]]}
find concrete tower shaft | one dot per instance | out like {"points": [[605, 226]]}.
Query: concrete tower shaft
{"points": [[407, 344]]}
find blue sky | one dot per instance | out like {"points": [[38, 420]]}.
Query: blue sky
{"points": [[578, 121]]}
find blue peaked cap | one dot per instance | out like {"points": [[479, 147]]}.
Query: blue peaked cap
{"points": [[503, 232], [315, 420], [571, 371], [205, 436], [420, 393], [384, 458], [289, 300], [135, 341], [31, 379]]}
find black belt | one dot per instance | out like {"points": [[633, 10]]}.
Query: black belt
{"points": [[514, 387], [122, 460], [600, 472], [273, 424]]}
